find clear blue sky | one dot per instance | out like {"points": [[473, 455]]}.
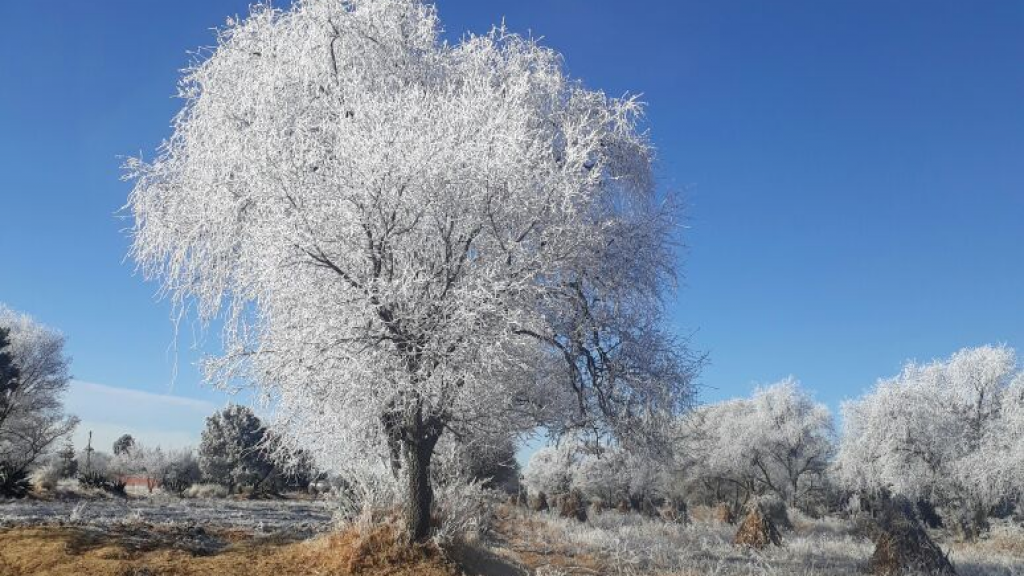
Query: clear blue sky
{"points": [[854, 172]]}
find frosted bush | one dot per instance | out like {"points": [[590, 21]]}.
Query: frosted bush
{"points": [[464, 511], [550, 470], [365, 493], [47, 476], [206, 491]]}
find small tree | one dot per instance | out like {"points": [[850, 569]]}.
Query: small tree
{"points": [[152, 465], [603, 476], [124, 445], [550, 469], [232, 450], [181, 472], [68, 462], [779, 441]]}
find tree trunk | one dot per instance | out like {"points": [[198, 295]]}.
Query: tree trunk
{"points": [[418, 453]]}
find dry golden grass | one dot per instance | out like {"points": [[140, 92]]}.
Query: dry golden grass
{"points": [[60, 551], [1002, 541]]}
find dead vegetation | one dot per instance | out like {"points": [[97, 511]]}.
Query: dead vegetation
{"points": [[572, 506], [77, 551], [902, 545], [757, 531], [520, 543], [723, 513]]}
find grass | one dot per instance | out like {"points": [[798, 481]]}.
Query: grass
{"points": [[72, 551], [521, 543], [616, 544]]}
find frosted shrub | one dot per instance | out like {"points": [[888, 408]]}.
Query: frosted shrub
{"points": [[206, 491], [602, 476], [550, 470], [47, 476], [180, 472], [366, 493], [464, 511]]}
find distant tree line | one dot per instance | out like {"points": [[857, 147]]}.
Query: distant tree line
{"points": [[947, 435]]}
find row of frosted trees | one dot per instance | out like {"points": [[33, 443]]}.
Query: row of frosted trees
{"points": [[946, 434]]}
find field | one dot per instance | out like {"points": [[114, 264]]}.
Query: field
{"points": [[167, 536]]}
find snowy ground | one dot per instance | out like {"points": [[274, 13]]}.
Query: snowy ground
{"points": [[298, 516]]}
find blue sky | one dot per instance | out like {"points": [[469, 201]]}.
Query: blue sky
{"points": [[853, 170]]}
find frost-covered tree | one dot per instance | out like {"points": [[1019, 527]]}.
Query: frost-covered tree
{"points": [[33, 375], [780, 441], [947, 431], [602, 476], [68, 467], [613, 475], [181, 471], [232, 450], [405, 237], [124, 444], [152, 464], [489, 461], [610, 473], [550, 469], [1002, 457], [8, 369]]}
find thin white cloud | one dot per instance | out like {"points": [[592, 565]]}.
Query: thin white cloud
{"points": [[153, 419], [133, 395]]}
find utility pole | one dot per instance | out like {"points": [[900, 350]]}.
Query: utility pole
{"points": [[88, 454]]}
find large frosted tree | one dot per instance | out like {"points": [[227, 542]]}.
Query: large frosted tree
{"points": [[405, 238]]}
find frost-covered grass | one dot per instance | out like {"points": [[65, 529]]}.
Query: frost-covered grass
{"points": [[637, 545], [254, 515], [631, 545], [999, 553], [609, 543]]}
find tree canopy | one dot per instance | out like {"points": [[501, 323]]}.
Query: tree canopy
{"points": [[949, 431], [405, 237]]}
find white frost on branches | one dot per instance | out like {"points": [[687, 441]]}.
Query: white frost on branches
{"points": [[550, 469], [31, 409], [949, 431], [778, 441], [404, 236]]}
